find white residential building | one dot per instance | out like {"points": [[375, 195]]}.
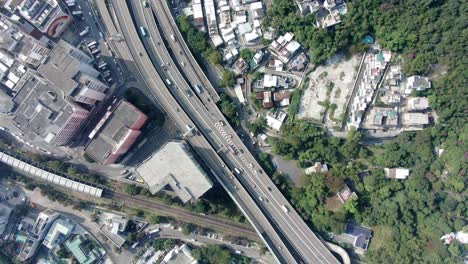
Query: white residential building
{"points": [[276, 120], [417, 83], [212, 23], [396, 173]]}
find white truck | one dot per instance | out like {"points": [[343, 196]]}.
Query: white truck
{"points": [[84, 32], [156, 230]]}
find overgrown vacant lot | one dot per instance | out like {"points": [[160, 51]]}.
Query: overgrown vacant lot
{"points": [[332, 83]]}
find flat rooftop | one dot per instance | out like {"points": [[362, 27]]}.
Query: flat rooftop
{"points": [[174, 165], [123, 121], [63, 65], [41, 108]]}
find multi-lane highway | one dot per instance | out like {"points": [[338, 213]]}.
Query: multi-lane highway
{"points": [[204, 149], [290, 223], [286, 234]]}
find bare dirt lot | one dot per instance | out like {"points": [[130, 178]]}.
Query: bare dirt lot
{"points": [[329, 85]]}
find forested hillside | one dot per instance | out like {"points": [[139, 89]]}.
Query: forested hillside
{"points": [[407, 217]]}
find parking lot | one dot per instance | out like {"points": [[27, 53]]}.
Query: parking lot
{"points": [[88, 33]]}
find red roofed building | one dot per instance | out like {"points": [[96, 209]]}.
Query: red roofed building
{"points": [[259, 95], [116, 133], [281, 95], [267, 102]]}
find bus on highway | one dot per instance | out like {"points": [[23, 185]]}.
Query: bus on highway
{"points": [[197, 88], [143, 31]]}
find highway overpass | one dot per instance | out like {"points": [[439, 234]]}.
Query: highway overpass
{"points": [[285, 233]]}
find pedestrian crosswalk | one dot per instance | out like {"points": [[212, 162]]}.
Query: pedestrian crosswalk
{"points": [[228, 138]]}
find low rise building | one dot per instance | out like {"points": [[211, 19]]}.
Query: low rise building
{"points": [[82, 250], [390, 95], [230, 53], [18, 51], [115, 133], [240, 66], [239, 93], [176, 166], [197, 13], [270, 81], [307, 6], [257, 58], [35, 233], [415, 121], [373, 68], [267, 102], [417, 103], [298, 63], [284, 47], [327, 17], [317, 167], [256, 9], [60, 230], [212, 23], [382, 117], [396, 173], [112, 227], [179, 255], [361, 236], [276, 120], [345, 194], [417, 83], [282, 97], [43, 111], [275, 65]]}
